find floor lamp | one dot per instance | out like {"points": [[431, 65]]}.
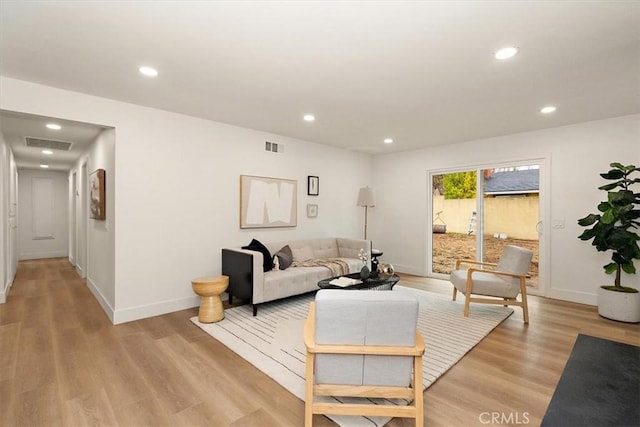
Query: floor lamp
{"points": [[366, 198]]}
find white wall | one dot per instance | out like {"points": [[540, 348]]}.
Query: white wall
{"points": [[51, 240], [4, 201], [576, 154], [8, 218], [176, 189], [95, 255]]}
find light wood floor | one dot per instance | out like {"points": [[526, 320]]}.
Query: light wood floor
{"points": [[63, 363]]}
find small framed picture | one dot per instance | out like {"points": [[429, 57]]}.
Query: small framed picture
{"points": [[313, 185], [97, 186], [312, 210]]}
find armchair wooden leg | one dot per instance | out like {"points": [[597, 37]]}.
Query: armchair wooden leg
{"points": [[467, 305], [308, 390], [419, 396], [467, 296], [525, 306], [455, 293]]}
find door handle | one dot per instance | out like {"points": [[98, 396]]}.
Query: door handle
{"points": [[539, 227]]}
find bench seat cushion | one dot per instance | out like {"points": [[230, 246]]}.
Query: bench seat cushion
{"points": [[351, 317]]}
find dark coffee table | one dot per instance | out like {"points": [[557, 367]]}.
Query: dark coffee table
{"points": [[373, 283]]}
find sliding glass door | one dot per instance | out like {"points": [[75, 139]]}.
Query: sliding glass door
{"points": [[476, 212]]}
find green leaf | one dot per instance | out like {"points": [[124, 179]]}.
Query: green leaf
{"points": [[604, 206], [608, 187], [619, 238], [635, 213], [629, 268], [616, 165], [587, 234], [608, 217], [610, 268], [620, 197], [613, 174], [588, 220]]}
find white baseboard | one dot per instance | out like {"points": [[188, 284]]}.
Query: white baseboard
{"points": [[5, 291], [408, 269], [155, 309], [80, 271], [101, 299], [72, 261], [573, 296], [3, 294], [142, 311], [42, 255]]}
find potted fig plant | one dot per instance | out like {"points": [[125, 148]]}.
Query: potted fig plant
{"points": [[615, 228]]}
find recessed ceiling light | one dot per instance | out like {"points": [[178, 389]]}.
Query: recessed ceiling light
{"points": [[44, 166], [47, 152], [309, 117], [148, 71], [548, 109], [53, 126], [388, 140], [506, 52]]}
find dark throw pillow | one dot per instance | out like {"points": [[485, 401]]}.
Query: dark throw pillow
{"points": [[256, 245], [285, 257]]}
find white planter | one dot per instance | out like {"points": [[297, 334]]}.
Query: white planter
{"points": [[622, 306]]}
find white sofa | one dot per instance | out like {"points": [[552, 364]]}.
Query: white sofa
{"points": [[249, 281]]}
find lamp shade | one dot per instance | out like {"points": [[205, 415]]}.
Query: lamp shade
{"points": [[366, 197]]}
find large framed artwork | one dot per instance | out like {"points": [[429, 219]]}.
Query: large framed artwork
{"points": [[268, 202], [97, 195]]}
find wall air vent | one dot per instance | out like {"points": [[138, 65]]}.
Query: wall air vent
{"points": [[273, 147], [48, 143]]}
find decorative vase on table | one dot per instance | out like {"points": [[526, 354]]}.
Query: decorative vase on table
{"points": [[364, 257], [364, 273]]}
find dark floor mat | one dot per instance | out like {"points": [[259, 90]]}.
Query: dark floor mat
{"points": [[600, 386]]}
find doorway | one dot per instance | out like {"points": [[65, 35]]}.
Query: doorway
{"points": [[80, 199], [72, 218], [475, 212]]}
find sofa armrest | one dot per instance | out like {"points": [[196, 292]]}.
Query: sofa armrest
{"points": [[349, 248], [245, 271]]}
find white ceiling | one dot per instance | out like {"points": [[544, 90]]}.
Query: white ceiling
{"points": [[421, 73], [16, 127]]}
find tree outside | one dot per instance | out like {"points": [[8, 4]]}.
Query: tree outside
{"points": [[459, 185]]}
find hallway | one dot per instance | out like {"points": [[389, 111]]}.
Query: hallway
{"points": [[63, 363]]}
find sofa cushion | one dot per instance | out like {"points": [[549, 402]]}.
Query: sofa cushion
{"points": [[303, 254], [285, 257], [256, 245]]}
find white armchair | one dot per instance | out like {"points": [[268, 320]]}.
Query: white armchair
{"points": [[363, 344], [502, 281]]}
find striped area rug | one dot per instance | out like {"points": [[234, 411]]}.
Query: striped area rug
{"points": [[272, 341]]}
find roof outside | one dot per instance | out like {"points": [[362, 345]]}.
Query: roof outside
{"points": [[518, 181]]}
